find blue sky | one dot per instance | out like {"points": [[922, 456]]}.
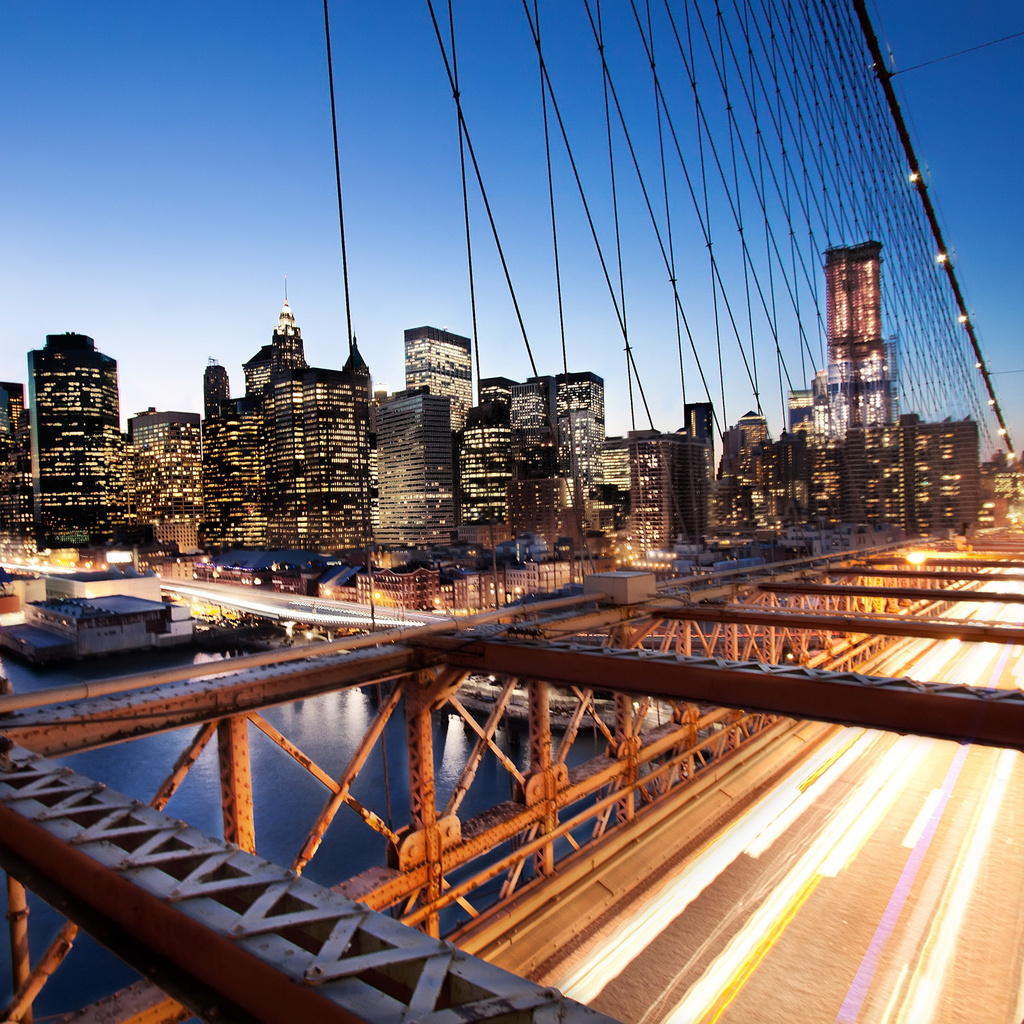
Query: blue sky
{"points": [[166, 166]]}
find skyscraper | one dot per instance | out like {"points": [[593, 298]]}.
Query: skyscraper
{"points": [[15, 466], [216, 388], [860, 374], [165, 473], [234, 476], [75, 440], [580, 407], [441, 361], [800, 411], [317, 424], [669, 487], [414, 464], [485, 464]]}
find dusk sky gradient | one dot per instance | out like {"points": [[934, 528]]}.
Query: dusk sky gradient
{"points": [[165, 166]]}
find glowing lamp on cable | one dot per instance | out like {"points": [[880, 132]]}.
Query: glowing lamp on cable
{"points": [[963, 319], [941, 258], [913, 176]]}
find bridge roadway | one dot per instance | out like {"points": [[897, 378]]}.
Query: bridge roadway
{"points": [[882, 880]]}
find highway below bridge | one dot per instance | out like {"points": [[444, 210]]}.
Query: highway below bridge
{"points": [[710, 857]]}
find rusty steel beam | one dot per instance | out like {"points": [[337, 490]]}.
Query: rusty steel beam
{"points": [[956, 563], [862, 622], [86, 724], [17, 917], [140, 1003], [254, 940], [897, 593], [911, 573], [236, 782], [945, 711]]}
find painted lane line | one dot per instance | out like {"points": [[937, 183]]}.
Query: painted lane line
{"points": [[924, 998], [610, 957], [927, 808], [858, 990], [721, 982]]}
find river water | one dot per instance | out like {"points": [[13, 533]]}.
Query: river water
{"points": [[286, 798]]}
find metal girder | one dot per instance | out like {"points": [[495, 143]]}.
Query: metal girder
{"points": [[897, 593], [139, 1003], [85, 724], [275, 946], [966, 562], [912, 573], [862, 622], [946, 711], [236, 782]]}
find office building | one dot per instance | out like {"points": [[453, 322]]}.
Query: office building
{"points": [[542, 507], [165, 484], [485, 464], [612, 509], [800, 411], [861, 376], [76, 439], [941, 475], [580, 408], [234, 477], [442, 362], [317, 424], [15, 466], [216, 388], [497, 391], [700, 421], [670, 479], [414, 465], [741, 494]]}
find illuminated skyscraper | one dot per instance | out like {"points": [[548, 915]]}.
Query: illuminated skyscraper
{"points": [[317, 424], [165, 474], [485, 464], [76, 439], [234, 476], [860, 370], [15, 465], [669, 483], [414, 465], [442, 362], [580, 407]]}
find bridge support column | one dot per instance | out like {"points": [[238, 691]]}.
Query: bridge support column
{"points": [[422, 802], [627, 744], [540, 776], [236, 782], [17, 915]]}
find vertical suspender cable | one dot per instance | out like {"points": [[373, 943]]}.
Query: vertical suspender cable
{"points": [[465, 196], [337, 179]]}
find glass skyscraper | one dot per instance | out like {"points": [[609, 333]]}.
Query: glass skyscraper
{"points": [[442, 362], [76, 439]]}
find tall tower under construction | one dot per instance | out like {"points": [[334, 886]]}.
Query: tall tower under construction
{"points": [[861, 371]]}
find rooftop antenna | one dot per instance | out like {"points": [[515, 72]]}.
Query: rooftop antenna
{"points": [[286, 289]]}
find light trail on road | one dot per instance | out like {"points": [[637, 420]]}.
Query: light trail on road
{"points": [[880, 883]]}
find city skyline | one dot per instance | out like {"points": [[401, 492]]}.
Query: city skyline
{"points": [[126, 234]]}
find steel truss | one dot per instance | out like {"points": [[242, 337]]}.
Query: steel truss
{"points": [[720, 675], [249, 935]]}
